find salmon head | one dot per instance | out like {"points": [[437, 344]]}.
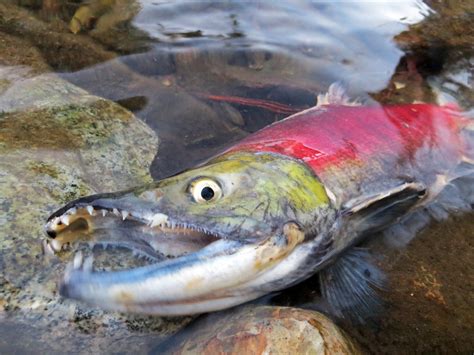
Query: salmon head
{"points": [[243, 225]]}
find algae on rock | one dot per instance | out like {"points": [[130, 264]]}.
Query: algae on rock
{"points": [[57, 142]]}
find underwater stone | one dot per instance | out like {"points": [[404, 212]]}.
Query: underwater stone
{"points": [[264, 330], [58, 142]]}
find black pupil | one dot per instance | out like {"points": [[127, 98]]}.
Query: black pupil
{"points": [[207, 193]]}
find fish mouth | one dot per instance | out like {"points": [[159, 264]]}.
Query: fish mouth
{"points": [[193, 269], [163, 237]]}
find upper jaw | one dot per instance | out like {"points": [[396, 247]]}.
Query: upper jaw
{"points": [[121, 204], [127, 214]]}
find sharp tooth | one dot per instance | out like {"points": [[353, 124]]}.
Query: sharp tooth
{"points": [[158, 219], [47, 250], [55, 245], [72, 210], [77, 262], [104, 212], [65, 219], [54, 221], [90, 209], [124, 215], [88, 264], [68, 270], [116, 212]]}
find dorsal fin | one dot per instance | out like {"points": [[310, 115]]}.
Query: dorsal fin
{"points": [[336, 95]]}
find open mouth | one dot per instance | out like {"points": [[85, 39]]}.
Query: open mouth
{"points": [[192, 269], [153, 235]]}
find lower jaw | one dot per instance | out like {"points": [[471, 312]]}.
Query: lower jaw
{"points": [[222, 274], [182, 308]]}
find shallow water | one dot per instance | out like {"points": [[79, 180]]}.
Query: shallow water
{"points": [[188, 70]]}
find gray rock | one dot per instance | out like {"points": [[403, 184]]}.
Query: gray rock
{"points": [[57, 142]]}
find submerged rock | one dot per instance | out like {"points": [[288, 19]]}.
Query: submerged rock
{"points": [[58, 142], [59, 48], [264, 330]]}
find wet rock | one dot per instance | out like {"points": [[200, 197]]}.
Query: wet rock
{"points": [[264, 330], [92, 12], [58, 142], [455, 15], [439, 57], [17, 51], [189, 129], [61, 49], [110, 23]]}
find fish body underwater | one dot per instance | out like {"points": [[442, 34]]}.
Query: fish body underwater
{"points": [[285, 203]]}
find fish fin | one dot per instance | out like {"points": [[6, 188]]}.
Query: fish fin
{"points": [[350, 286], [456, 197], [336, 95], [374, 212], [401, 233]]}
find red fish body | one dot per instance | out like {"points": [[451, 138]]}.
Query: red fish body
{"points": [[353, 148]]}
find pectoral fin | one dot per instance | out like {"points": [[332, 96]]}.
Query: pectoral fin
{"points": [[374, 212], [350, 286]]}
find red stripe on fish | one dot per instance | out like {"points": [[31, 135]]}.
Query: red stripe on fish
{"points": [[331, 135], [265, 104]]}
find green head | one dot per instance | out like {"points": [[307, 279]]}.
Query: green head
{"points": [[240, 195]]}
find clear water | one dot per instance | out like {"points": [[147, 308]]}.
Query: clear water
{"points": [[188, 70]]}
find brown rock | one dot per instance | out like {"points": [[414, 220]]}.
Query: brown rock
{"points": [[264, 330]]}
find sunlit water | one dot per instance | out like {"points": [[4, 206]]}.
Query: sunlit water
{"points": [[188, 70]]}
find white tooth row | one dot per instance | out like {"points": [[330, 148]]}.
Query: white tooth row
{"points": [[157, 219], [66, 220], [162, 220]]}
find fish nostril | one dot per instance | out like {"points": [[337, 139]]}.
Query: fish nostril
{"points": [[51, 233]]}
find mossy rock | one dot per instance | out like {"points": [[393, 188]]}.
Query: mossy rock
{"points": [[57, 142]]}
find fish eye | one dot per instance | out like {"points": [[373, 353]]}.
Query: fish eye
{"points": [[205, 190]]}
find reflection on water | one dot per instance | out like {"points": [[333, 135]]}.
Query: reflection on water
{"points": [[198, 48], [201, 76]]}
